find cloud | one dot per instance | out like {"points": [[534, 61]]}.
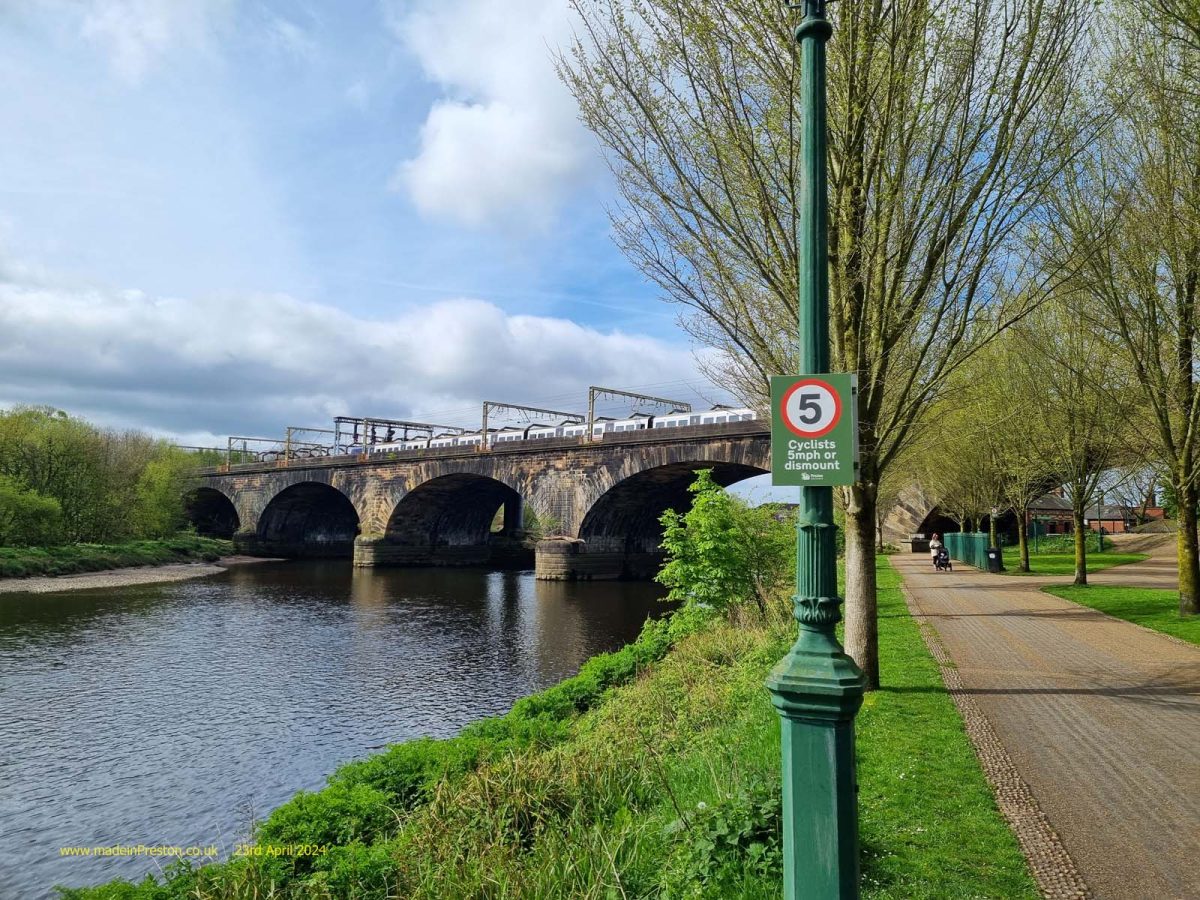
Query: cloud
{"points": [[252, 365], [137, 34], [503, 145]]}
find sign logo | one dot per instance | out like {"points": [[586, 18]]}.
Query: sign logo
{"points": [[811, 408]]}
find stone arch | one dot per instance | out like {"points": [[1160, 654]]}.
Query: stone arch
{"points": [[620, 533], [447, 521], [308, 518], [212, 513]]}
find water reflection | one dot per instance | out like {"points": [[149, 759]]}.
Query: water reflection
{"points": [[176, 713]]}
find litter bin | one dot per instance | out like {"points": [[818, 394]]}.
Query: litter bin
{"points": [[994, 560]]}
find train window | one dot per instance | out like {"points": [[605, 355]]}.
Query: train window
{"points": [[707, 420]]}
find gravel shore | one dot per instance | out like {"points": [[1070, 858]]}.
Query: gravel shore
{"points": [[110, 578]]}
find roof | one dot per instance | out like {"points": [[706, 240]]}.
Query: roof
{"points": [[1050, 503]]}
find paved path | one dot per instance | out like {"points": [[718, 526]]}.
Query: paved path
{"points": [[1100, 717]]}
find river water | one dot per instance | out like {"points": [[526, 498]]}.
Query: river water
{"points": [[176, 714]]}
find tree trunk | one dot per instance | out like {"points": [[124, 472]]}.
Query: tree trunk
{"points": [[992, 532], [1080, 541], [1189, 551], [862, 625], [1023, 540]]}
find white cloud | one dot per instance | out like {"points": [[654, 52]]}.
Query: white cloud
{"points": [[137, 34], [503, 145], [255, 364]]}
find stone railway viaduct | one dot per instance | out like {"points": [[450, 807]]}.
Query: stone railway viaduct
{"points": [[599, 501]]}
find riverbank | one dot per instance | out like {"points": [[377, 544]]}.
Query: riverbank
{"points": [[73, 566], [653, 771]]}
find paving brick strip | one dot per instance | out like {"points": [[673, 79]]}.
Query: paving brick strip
{"points": [[1055, 872], [1087, 726]]}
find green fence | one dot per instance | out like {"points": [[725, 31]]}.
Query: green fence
{"points": [[969, 548]]}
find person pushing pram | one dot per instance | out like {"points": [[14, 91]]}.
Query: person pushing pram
{"points": [[940, 555]]}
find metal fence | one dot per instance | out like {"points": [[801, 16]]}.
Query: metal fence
{"points": [[969, 548]]}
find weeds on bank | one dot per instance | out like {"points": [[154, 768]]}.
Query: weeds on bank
{"points": [[69, 559], [652, 773]]}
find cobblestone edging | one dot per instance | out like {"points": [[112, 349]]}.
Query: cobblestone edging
{"points": [[1052, 867]]}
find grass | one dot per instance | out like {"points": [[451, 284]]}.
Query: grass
{"points": [[1149, 607], [68, 559], [654, 773], [1063, 562]]}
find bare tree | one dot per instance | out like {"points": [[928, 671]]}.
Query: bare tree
{"points": [[949, 123], [1134, 218]]}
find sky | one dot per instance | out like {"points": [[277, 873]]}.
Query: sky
{"points": [[230, 216]]}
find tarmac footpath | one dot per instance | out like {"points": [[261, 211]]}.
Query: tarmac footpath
{"points": [[1087, 726]]}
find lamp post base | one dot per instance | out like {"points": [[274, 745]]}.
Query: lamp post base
{"points": [[818, 690]]}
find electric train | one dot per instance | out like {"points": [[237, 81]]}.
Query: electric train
{"points": [[600, 427]]}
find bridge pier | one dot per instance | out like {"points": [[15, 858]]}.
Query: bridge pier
{"points": [[372, 551], [595, 560]]}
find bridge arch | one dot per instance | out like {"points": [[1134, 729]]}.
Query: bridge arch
{"points": [[455, 519], [211, 513], [620, 535], [308, 519]]}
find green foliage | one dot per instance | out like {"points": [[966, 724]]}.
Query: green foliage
{"points": [[723, 553], [69, 559], [723, 848], [160, 491], [26, 517], [650, 774], [537, 527], [108, 485]]}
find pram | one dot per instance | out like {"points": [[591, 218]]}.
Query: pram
{"points": [[941, 562]]}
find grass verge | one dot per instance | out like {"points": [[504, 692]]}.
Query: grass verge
{"points": [[68, 559], [1063, 563], [1149, 607], [653, 773]]}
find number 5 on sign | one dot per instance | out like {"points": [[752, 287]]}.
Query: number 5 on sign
{"points": [[814, 429]]}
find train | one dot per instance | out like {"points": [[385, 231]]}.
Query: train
{"points": [[543, 430]]}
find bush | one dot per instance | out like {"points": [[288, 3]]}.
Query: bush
{"points": [[26, 517], [722, 553]]}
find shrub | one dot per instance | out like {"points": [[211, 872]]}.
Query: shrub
{"points": [[722, 553], [26, 517]]}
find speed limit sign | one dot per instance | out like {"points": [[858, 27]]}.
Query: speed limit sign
{"points": [[814, 431], [811, 408]]}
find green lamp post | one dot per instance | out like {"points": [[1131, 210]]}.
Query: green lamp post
{"points": [[817, 689]]}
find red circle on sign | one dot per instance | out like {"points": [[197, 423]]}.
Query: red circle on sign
{"points": [[808, 382]]}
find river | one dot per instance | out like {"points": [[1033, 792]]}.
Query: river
{"points": [[176, 714]]}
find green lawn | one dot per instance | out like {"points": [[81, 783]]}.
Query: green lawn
{"points": [[1150, 607], [664, 786], [1060, 563]]}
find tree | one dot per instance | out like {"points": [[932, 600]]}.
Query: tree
{"points": [[1133, 218], [1083, 403], [722, 553], [949, 123], [26, 517]]}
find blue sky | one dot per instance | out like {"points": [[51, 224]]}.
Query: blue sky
{"points": [[220, 216]]}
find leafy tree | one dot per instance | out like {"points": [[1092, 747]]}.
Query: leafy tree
{"points": [[159, 510], [722, 553], [107, 485], [26, 517], [949, 124]]}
